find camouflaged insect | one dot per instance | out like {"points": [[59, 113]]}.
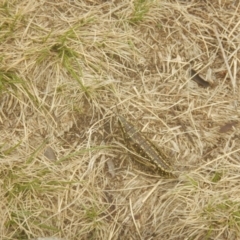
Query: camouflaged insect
{"points": [[144, 150]]}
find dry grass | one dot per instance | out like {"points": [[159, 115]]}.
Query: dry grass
{"points": [[65, 65]]}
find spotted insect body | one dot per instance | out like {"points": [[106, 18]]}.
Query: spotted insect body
{"points": [[144, 150]]}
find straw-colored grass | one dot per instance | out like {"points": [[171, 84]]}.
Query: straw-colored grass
{"points": [[67, 68]]}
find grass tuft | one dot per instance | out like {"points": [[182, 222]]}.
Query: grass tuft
{"points": [[141, 8]]}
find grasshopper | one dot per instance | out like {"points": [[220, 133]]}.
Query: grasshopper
{"points": [[144, 150]]}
